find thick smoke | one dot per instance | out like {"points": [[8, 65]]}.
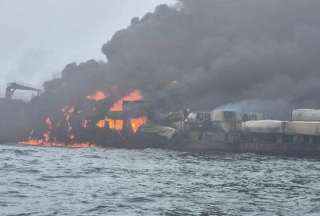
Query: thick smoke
{"points": [[208, 53], [248, 55]]}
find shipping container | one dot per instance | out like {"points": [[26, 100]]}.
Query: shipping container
{"points": [[306, 115], [264, 126], [303, 128]]}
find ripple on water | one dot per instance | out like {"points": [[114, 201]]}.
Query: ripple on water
{"points": [[154, 182]]}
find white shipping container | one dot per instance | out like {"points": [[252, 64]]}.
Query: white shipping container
{"points": [[264, 126], [306, 115], [303, 128]]}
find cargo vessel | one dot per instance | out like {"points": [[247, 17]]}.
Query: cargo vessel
{"points": [[229, 131], [132, 123]]}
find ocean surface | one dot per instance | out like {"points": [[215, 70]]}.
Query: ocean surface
{"points": [[59, 181]]}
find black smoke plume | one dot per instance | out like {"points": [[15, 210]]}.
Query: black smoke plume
{"points": [[207, 53]]}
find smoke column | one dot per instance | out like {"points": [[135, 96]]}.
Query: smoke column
{"points": [[207, 53]]}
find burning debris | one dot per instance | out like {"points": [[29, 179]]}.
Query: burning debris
{"points": [[68, 128]]}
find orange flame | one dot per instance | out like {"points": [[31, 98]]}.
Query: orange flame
{"points": [[136, 123], [48, 141], [42, 143], [98, 96], [101, 124], [115, 124], [135, 95]]}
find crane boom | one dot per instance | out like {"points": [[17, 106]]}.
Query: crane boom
{"points": [[12, 87]]}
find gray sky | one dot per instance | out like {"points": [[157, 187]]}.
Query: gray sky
{"points": [[39, 37]]}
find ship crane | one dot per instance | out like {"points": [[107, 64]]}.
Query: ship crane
{"points": [[12, 87]]}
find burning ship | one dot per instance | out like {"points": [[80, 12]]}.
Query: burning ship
{"points": [[95, 121], [101, 120], [174, 58], [129, 122], [105, 120]]}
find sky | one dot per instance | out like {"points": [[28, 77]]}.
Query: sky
{"points": [[39, 37]]}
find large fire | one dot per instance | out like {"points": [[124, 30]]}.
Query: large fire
{"points": [[49, 139], [118, 124], [135, 95], [135, 123]]}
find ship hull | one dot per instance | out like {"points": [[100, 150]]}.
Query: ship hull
{"points": [[249, 143]]}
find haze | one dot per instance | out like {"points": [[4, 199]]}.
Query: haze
{"points": [[39, 37]]}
